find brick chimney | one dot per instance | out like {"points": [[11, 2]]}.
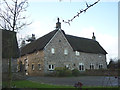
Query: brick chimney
{"points": [[58, 25], [93, 37]]}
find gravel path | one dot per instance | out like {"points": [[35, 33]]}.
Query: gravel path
{"points": [[86, 80]]}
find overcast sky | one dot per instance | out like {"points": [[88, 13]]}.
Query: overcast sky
{"points": [[102, 19]]}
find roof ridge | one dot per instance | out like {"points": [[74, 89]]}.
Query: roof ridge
{"points": [[80, 37]]}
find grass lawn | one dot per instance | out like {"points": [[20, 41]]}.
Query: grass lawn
{"points": [[30, 84]]}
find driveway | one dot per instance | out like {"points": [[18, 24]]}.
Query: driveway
{"points": [[86, 80]]}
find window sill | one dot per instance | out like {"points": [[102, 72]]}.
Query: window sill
{"points": [[51, 69]]}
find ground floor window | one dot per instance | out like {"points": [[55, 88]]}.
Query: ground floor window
{"points": [[33, 67], [81, 67], [92, 66], [51, 67], [67, 66], [100, 66], [39, 66]]}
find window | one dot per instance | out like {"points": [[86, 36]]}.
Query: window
{"points": [[100, 56], [52, 50], [26, 64], [37, 53], [39, 67], [59, 40], [74, 64], [67, 66], [51, 67], [33, 67], [91, 66], [77, 53], [81, 67], [65, 51], [100, 66]]}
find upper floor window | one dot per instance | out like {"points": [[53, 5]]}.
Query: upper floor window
{"points": [[77, 53], [81, 67], [91, 66], [100, 56], [65, 51], [52, 50], [51, 67], [100, 66]]}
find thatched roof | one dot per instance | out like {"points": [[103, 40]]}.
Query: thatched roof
{"points": [[77, 43], [9, 40], [85, 45]]}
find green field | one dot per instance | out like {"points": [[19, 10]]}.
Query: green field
{"points": [[30, 84]]}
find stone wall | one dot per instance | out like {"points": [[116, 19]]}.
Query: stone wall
{"points": [[59, 59], [34, 59], [89, 58]]}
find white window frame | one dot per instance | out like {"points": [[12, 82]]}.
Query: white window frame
{"points": [[100, 66], [67, 66], [65, 51], [52, 50], [77, 53], [52, 67], [91, 68], [82, 65]]}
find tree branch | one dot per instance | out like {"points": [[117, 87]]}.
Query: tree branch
{"points": [[81, 11], [11, 16], [6, 20], [8, 7]]}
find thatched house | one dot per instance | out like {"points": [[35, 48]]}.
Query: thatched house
{"points": [[57, 49]]}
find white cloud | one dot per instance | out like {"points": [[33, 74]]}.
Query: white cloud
{"points": [[87, 32], [36, 28], [110, 44]]}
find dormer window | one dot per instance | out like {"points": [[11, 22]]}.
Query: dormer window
{"points": [[77, 53], [65, 51], [52, 50]]}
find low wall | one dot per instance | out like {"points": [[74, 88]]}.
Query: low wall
{"points": [[102, 72]]}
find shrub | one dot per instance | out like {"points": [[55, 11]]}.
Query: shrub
{"points": [[62, 71], [67, 72], [75, 72]]}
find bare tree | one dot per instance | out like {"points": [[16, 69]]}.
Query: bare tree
{"points": [[13, 18], [12, 14]]}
